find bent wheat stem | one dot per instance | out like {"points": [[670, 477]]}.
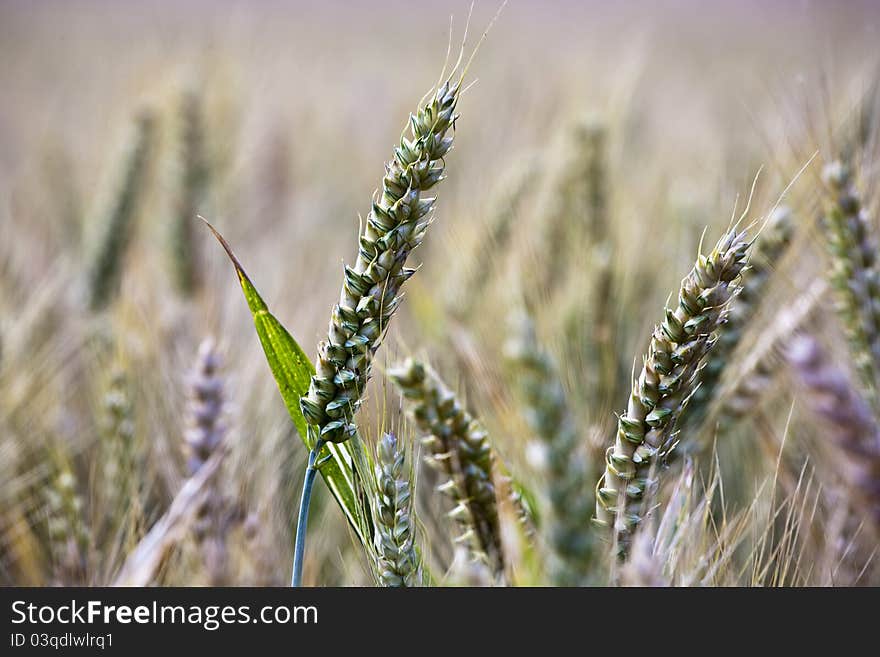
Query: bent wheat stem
{"points": [[299, 547]]}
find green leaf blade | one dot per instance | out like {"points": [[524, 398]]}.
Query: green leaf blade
{"points": [[292, 371], [290, 366]]}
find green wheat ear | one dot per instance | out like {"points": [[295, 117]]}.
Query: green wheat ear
{"points": [[679, 344], [397, 557], [120, 487], [569, 497], [854, 273], [190, 186], [117, 222], [370, 293], [458, 447], [769, 247]]}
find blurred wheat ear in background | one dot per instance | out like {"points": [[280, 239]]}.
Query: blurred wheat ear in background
{"points": [[853, 429], [204, 437], [117, 223], [190, 181], [562, 457], [854, 273]]}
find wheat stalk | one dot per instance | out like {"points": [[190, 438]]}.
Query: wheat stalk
{"points": [[459, 447], [660, 393]]}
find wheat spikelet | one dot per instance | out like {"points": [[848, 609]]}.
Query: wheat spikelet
{"points": [[564, 468], [117, 224], [459, 447], [370, 294], [854, 271], [398, 561], [465, 571], [852, 426], [522, 510], [659, 395], [685, 544]]}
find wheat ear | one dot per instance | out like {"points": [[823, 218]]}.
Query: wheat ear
{"points": [[371, 291], [576, 211], [203, 438], [746, 387], [459, 447], [120, 487], [191, 183], [68, 534], [569, 498], [398, 559], [852, 426], [679, 344], [769, 248], [854, 271], [118, 221]]}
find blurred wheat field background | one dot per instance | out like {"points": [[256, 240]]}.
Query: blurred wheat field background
{"points": [[599, 150]]}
